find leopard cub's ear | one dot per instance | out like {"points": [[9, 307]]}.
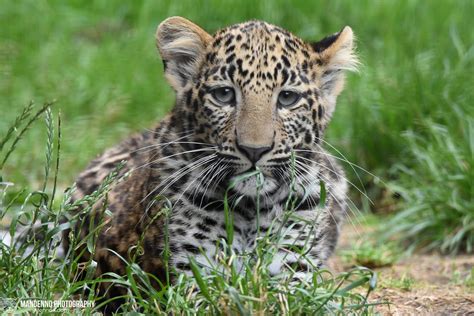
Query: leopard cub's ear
{"points": [[336, 54], [182, 45]]}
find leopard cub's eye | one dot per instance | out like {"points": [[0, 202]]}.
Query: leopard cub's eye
{"points": [[224, 95], [288, 98]]}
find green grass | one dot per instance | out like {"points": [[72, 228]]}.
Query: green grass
{"points": [[469, 281], [32, 268], [438, 192], [98, 60], [463, 278], [404, 283], [407, 117], [372, 254]]}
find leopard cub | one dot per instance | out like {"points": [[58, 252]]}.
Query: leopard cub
{"points": [[252, 99]]}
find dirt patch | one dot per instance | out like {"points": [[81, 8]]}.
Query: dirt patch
{"points": [[420, 284]]}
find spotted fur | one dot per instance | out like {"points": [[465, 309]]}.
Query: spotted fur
{"points": [[193, 154]]}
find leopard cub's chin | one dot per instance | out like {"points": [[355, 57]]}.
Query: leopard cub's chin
{"points": [[248, 187]]}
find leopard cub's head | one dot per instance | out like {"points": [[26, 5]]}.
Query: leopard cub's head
{"points": [[254, 90]]}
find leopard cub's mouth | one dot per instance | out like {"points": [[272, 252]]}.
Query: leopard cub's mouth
{"points": [[254, 169], [251, 169], [255, 183]]}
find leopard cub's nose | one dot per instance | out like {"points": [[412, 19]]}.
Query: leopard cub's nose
{"points": [[254, 153]]}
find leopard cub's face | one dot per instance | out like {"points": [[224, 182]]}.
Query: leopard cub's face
{"points": [[255, 91]]}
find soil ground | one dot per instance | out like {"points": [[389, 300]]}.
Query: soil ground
{"points": [[434, 284]]}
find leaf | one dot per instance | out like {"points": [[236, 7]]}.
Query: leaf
{"points": [[199, 280], [322, 194]]}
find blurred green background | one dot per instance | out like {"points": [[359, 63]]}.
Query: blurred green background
{"points": [[407, 117]]}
